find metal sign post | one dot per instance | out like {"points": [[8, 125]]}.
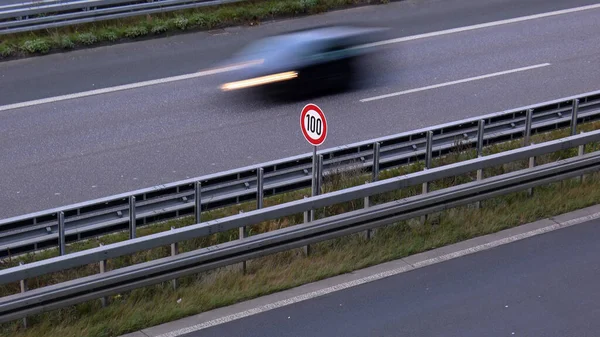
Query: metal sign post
{"points": [[314, 129]]}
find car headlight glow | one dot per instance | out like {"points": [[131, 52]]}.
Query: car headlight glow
{"points": [[288, 75]]}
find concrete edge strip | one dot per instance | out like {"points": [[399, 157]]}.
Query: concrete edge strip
{"points": [[382, 275]]}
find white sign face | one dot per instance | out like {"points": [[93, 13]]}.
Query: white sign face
{"points": [[313, 124]]}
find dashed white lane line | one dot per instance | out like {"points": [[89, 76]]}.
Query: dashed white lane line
{"points": [[484, 25], [379, 276], [455, 82], [226, 69]]}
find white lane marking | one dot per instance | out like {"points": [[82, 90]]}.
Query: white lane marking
{"points": [[379, 276], [121, 87], [483, 25], [285, 302], [225, 69], [455, 82]]}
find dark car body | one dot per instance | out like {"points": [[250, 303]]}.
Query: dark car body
{"points": [[303, 61]]}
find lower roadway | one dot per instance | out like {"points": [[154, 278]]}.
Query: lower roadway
{"points": [[546, 285], [67, 151]]}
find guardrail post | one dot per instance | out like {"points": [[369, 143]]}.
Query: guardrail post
{"points": [[480, 139], [132, 217], [580, 152], [102, 264], [429, 150], [306, 248], [376, 155], [243, 234], [198, 201], [317, 182], [174, 251], [531, 165], [320, 175], [61, 233], [23, 284], [428, 156], [260, 188], [574, 117], [305, 213], [368, 232], [528, 121]]}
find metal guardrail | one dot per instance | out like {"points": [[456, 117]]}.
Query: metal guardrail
{"points": [[124, 279], [40, 230], [52, 14]]}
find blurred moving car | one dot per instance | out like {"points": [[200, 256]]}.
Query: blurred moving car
{"points": [[301, 62]]}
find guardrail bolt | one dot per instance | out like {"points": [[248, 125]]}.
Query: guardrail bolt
{"points": [[24, 288], [174, 251]]}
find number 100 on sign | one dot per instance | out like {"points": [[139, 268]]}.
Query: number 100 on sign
{"points": [[313, 124]]}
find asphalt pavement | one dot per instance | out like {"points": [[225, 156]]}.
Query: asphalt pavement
{"points": [[62, 152], [100, 67], [546, 285]]}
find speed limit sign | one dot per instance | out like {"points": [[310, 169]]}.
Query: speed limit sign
{"points": [[313, 124]]}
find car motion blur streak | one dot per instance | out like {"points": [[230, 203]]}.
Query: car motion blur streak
{"points": [[306, 61]]}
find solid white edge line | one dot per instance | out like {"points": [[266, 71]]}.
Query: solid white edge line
{"points": [[470, 79], [216, 71], [379, 276]]}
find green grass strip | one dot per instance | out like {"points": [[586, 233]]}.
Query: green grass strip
{"points": [[147, 26]]}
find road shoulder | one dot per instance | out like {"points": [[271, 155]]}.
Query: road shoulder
{"points": [[366, 275]]}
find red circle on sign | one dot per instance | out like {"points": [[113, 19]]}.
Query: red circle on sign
{"points": [[305, 130]]}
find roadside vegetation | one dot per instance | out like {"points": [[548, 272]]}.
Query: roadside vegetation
{"points": [[115, 31], [158, 304]]}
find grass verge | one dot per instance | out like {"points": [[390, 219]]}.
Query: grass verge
{"points": [[252, 12], [158, 304]]}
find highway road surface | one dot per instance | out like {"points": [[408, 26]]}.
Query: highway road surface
{"points": [[65, 151], [546, 286]]}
